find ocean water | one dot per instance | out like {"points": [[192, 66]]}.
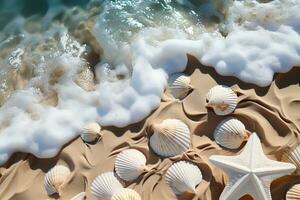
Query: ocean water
{"points": [[66, 63]]}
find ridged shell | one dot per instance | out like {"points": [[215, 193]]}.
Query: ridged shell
{"points": [[105, 186], [293, 193], [222, 100], [79, 196], [91, 132], [183, 176], [85, 79], [126, 194], [179, 85], [293, 156], [171, 137], [130, 164], [55, 178], [230, 133]]}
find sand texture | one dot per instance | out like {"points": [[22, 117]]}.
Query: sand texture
{"points": [[273, 112]]}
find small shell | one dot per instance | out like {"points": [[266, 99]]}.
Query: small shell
{"points": [[221, 99], [171, 137], [79, 196], [55, 178], [293, 156], [230, 133], [179, 85], [91, 132], [130, 164], [85, 79], [105, 186], [183, 176], [293, 193], [126, 194]]}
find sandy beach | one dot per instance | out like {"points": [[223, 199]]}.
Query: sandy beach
{"points": [[272, 112]]}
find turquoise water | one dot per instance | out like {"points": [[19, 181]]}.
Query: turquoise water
{"points": [[137, 13], [12, 8]]}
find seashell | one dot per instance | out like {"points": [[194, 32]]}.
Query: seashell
{"points": [[105, 186], [293, 156], [171, 137], [179, 85], [221, 99], [126, 194], [293, 193], [91, 132], [230, 133], [55, 178], [183, 176], [85, 79], [79, 196], [130, 164]]}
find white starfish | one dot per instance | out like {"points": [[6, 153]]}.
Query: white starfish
{"points": [[251, 172]]}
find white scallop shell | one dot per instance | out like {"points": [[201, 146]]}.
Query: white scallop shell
{"points": [[79, 196], [293, 156], [179, 85], [293, 193], [230, 133], [222, 100], [183, 176], [126, 194], [105, 186], [171, 137], [130, 164], [91, 132], [55, 178]]}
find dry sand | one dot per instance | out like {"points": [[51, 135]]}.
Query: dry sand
{"points": [[273, 112]]}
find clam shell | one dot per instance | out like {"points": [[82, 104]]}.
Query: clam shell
{"points": [[221, 99], [179, 85], [55, 178], [230, 133], [293, 193], [105, 186], [183, 176], [79, 196], [293, 156], [91, 132], [171, 137], [130, 164], [85, 79], [126, 194]]}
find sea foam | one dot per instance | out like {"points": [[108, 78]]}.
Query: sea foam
{"points": [[252, 42]]}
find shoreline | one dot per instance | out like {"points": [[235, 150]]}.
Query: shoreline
{"points": [[270, 111]]}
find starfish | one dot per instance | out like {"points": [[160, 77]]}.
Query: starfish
{"points": [[251, 172]]}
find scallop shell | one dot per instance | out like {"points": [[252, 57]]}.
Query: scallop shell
{"points": [[293, 193], [183, 176], [85, 79], [91, 132], [221, 99], [55, 178], [130, 164], [230, 133], [126, 194], [79, 196], [171, 137], [179, 85], [293, 156], [105, 186]]}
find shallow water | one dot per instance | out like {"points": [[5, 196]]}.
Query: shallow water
{"points": [[66, 63]]}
